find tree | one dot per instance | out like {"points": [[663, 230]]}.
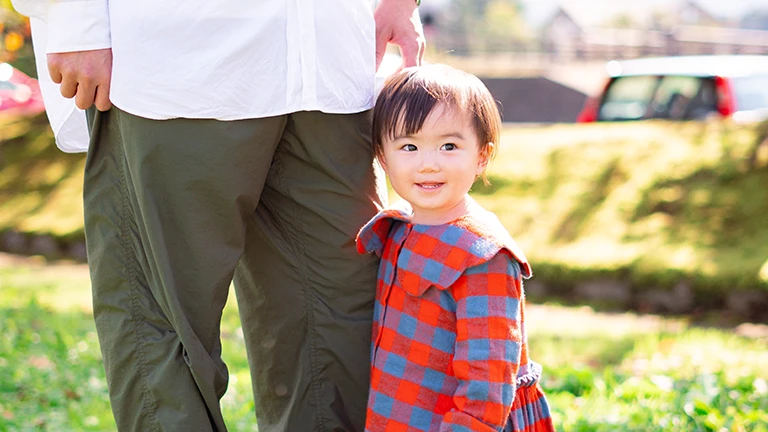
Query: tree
{"points": [[505, 23], [472, 26]]}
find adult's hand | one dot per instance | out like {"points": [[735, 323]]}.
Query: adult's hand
{"points": [[83, 75], [398, 22]]}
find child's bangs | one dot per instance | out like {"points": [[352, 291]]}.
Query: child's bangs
{"points": [[416, 100]]}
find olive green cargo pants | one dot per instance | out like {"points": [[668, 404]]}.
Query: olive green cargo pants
{"points": [[175, 209]]}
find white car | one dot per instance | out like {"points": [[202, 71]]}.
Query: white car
{"points": [[683, 88]]}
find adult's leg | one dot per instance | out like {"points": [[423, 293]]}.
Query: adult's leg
{"points": [[305, 295], [166, 207]]}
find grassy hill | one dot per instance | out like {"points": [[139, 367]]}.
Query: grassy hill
{"points": [[607, 211], [653, 204], [40, 187]]}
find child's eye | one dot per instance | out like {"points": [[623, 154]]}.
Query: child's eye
{"points": [[448, 146], [409, 148]]}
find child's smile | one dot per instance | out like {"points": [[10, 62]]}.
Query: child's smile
{"points": [[434, 168], [430, 185]]}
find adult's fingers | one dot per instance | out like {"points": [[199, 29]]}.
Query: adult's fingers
{"points": [[86, 92], [68, 88], [53, 70], [410, 53], [102, 101], [83, 75]]}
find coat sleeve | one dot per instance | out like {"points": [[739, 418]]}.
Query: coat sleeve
{"points": [[488, 345]]}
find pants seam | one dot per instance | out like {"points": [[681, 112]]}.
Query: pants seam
{"points": [[299, 249], [132, 280]]}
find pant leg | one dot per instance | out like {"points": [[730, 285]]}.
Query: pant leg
{"points": [[166, 207], [305, 295]]}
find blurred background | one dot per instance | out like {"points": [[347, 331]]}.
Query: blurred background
{"points": [[558, 49], [633, 171]]}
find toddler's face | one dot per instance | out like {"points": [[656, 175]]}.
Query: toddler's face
{"points": [[434, 169]]}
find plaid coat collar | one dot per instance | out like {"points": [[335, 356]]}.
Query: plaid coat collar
{"points": [[436, 255]]}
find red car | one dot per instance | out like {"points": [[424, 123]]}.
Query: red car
{"points": [[18, 92], [683, 88]]}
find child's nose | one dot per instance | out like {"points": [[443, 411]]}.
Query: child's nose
{"points": [[429, 162]]}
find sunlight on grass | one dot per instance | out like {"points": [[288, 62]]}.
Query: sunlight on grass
{"points": [[653, 199], [50, 371], [40, 187], [60, 287], [51, 376], [654, 203], [57, 213], [602, 372]]}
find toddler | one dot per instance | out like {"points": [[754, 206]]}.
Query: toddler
{"points": [[449, 348]]}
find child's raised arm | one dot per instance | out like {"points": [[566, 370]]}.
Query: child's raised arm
{"points": [[488, 345]]}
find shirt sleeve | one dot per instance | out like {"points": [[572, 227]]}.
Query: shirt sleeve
{"points": [[71, 25], [488, 345], [78, 25]]}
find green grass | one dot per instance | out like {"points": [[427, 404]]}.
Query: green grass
{"points": [[51, 375], [654, 203], [603, 372], [40, 186], [691, 380]]}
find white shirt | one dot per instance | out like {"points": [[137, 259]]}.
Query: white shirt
{"points": [[223, 59]]}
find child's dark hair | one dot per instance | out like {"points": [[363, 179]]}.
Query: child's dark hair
{"points": [[409, 96]]}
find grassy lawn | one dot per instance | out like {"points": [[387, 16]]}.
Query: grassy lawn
{"points": [[603, 372], [655, 201], [654, 204]]}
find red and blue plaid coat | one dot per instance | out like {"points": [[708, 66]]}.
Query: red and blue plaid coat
{"points": [[449, 348]]}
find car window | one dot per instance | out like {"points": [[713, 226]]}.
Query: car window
{"points": [[751, 92], [628, 98], [673, 97], [705, 101]]}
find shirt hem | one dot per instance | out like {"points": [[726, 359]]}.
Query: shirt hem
{"points": [[233, 117]]}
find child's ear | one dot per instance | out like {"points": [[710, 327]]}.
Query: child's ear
{"points": [[485, 158], [382, 162]]}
